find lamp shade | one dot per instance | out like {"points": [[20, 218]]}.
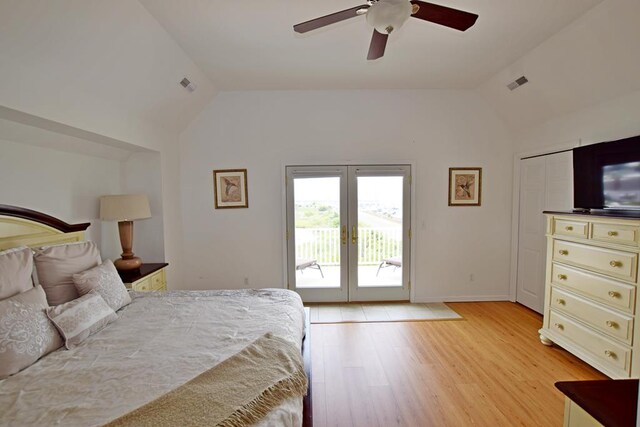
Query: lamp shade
{"points": [[124, 207]]}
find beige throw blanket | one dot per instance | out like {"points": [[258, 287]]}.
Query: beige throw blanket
{"points": [[237, 392]]}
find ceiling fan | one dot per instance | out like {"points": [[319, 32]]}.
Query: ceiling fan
{"points": [[386, 16]]}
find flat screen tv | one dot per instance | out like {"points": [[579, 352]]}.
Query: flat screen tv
{"points": [[607, 175]]}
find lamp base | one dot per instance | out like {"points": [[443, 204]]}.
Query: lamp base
{"points": [[128, 264]]}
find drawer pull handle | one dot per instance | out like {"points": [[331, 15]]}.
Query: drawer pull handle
{"points": [[610, 354], [563, 252], [559, 326], [562, 276], [568, 228], [561, 301], [614, 294], [615, 263], [612, 233], [612, 324]]}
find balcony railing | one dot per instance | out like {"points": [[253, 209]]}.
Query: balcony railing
{"points": [[323, 244]]}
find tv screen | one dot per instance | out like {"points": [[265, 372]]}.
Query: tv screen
{"points": [[607, 175], [621, 185]]}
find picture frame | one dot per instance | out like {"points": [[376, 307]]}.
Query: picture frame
{"points": [[465, 186], [230, 189]]}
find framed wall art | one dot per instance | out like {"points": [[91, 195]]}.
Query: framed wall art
{"points": [[230, 188], [465, 186]]}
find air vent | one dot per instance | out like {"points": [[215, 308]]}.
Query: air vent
{"points": [[185, 83], [517, 83]]}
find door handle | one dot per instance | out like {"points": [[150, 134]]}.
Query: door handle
{"points": [[344, 235], [354, 235]]}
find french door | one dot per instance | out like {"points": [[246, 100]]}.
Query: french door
{"points": [[348, 232]]}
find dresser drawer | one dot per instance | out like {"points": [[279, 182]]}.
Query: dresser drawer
{"points": [[610, 292], [611, 262], [565, 227], [615, 233], [609, 322], [615, 355]]}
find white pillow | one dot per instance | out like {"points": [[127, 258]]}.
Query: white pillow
{"points": [[104, 279], [26, 334], [16, 267], [56, 264], [78, 319]]}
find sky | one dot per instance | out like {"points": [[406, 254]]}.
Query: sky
{"points": [[383, 189]]}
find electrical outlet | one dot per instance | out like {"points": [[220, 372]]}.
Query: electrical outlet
{"points": [[246, 281], [471, 277]]}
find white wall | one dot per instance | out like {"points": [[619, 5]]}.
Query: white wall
{"points": [[68, 185], [607, 121], [61, 184], [591, 62], [108, 68], [263, 131], [141, 175]]}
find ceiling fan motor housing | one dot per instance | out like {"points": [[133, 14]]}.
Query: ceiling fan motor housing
{"points": [[388, 15]]}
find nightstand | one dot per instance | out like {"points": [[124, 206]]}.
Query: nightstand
{"points": [[600, 402], [149, 277]]}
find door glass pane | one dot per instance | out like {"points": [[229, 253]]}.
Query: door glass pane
{"points": [[380, 231], [317, 232]]}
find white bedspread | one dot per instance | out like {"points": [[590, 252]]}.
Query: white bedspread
{"points": [[160, 341]]}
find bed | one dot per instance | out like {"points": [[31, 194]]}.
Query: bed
{"points": [[159, 342]]}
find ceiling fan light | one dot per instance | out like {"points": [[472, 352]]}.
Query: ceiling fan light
{"points": [[388, 15]]}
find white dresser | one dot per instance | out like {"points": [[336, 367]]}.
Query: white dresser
{"points": [[591, 290]]}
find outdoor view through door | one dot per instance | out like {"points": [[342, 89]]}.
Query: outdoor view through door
{"points": [[348, 232], [379, 231], [317, 232]]}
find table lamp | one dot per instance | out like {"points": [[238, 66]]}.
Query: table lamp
{"points": [[125, 208]]}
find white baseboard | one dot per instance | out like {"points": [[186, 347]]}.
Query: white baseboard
{"points": [[476, 298]]}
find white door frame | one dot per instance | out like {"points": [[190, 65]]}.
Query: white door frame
{"points": [[283, 217], [515, 207]]}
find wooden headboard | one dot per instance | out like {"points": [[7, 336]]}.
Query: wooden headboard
{"points": [[24, 227]]}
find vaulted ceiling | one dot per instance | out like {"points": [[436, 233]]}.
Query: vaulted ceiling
{"points": [[250, 44]]}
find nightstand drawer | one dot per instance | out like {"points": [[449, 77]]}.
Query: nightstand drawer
{"points": [[564, 227], [149, 277], [575, 416], [611, 262], [143, 285], [617, 356], [615, 233], [612, 293], [606, 321], [158, 282]]}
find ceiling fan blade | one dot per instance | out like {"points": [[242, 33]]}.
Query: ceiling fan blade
{"points": [[452, 18], [328, 20], [377, 46]]}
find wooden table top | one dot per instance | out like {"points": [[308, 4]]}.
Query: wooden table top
{"points": [[144, 270], [614, 403]]}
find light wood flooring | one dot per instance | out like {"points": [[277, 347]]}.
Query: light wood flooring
{"points": [[489, 369]]}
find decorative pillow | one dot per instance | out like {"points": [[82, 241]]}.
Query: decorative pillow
{"points": [[104, 279], [57, 264], [26, 334], [16, 266], [82, 317]]}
